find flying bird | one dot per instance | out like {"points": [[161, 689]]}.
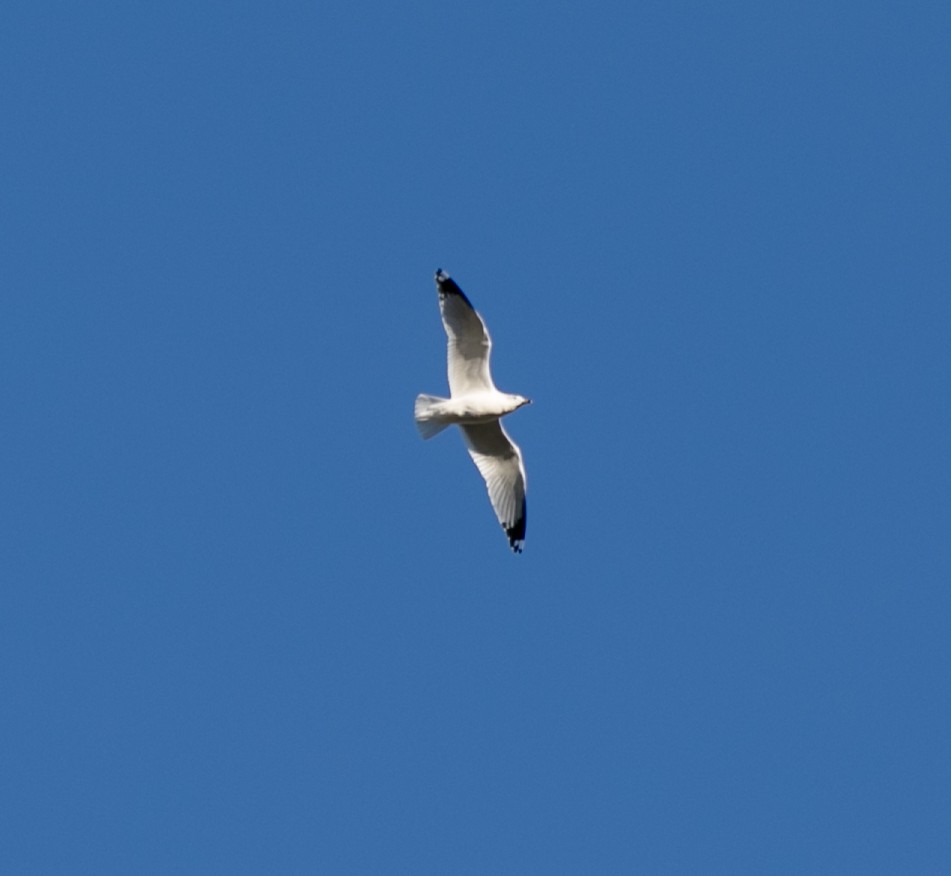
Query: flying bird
{"points": [[477, 407]]}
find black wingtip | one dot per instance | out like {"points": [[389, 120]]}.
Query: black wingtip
{"points": [[445, 285], [516, 533]]}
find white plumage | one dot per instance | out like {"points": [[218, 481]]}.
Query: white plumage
{"points": [[476, 406]]}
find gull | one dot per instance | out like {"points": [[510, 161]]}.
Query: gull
{"points": [[476, 407]]}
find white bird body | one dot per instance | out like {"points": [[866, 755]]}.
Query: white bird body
{"points": [[477, 407]]}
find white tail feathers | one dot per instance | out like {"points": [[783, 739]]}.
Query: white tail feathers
{"points": [[427, 421]]}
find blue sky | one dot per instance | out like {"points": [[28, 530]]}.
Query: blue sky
{"points": [[251, 623]]}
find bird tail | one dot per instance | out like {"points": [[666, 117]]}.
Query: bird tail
{"points": [[428, 420]]}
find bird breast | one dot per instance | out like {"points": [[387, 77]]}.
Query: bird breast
{"points": [[479, 408]]}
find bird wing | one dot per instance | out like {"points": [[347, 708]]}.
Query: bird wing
{"points": [[469, 341], [500, 462]]}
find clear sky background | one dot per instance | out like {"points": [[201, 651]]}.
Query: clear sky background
{"points": [[252, 624]]}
